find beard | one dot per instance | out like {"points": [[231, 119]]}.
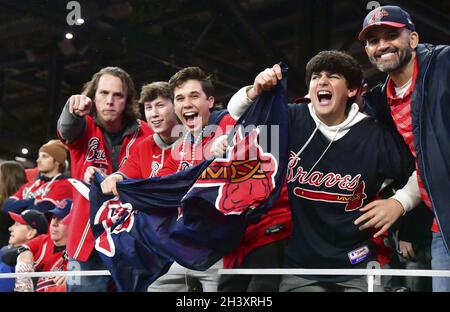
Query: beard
{"points": [[404, 56]]}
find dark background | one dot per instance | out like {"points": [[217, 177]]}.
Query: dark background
{"points": [[232, 39]]}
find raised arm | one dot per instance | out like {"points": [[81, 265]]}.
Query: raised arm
{"points": [[72, 121], [264, 81]]}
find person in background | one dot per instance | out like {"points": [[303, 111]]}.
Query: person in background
{"points": [[26, 226], [50, 189], [45, 253], [12, 177]]}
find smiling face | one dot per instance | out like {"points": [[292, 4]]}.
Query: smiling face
{"points": [[389, 48], [110, 101], [160, 115], [192, 106], [329, 95]]}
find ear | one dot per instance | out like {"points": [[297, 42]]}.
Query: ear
{"points": [[413, 39], [32, 234], [211, 100], [352, 92]]}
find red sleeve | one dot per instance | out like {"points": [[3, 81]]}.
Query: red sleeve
{"points": [[60, 190], [146, 130], [170, 164], [18, 195], [35, 244], [227, 123], [32, 173], [132, 167], [224, 127]]}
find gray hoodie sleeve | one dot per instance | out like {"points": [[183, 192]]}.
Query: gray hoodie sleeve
{"points": [[70, 127]]}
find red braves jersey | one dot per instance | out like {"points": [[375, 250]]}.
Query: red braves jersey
{"points": [[46, 258], [55, 190], [92, 150], [271, 227], [147, 159], [195, 154]]}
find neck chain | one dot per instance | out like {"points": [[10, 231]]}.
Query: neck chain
{"points": [[183, 152]]}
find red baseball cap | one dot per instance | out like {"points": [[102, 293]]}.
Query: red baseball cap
{"points": [[388, 15]]}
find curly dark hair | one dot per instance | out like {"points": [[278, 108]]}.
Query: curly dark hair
{"points": [[131, 107], [336, 62]]}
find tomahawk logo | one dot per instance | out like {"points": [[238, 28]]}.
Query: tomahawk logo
{"points": [[245, 178], [115, 217], [353, 201]]}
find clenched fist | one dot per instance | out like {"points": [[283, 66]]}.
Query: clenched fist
{"points": [[80, 105]]}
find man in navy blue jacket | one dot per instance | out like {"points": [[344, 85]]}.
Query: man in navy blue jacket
{"points": [[415, 100]]}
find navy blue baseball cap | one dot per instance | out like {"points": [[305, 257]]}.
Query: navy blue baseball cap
{"points": [[388, 15], [33, 218], [61, 211]]}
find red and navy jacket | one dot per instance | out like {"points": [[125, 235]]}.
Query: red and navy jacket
{"points": [[93, 149], [47, 257], [430, 111]]}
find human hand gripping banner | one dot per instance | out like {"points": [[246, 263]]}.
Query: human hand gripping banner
{"points": [[197, 216]]}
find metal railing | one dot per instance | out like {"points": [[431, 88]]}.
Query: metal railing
{"points": [[371, 274]]}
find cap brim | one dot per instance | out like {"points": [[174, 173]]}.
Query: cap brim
{"points": [[391, 24], [67, 219], [58, 212], [17, 217]]}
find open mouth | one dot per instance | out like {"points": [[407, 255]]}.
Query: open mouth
{"points": [[190, 118], [324, 97]]}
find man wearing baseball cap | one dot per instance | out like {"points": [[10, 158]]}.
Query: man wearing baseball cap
{"points": [[33, 219], [414, 100], [46, 253], [50, 188], [28, 224]]}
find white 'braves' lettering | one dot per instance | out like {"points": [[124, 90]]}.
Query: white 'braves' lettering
{"points": [[93, 152], [317, 178]]}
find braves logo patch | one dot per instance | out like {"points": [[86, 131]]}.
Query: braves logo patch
{"points": [[115, 217], [94, 153], [155, 168], [377, 16]]}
